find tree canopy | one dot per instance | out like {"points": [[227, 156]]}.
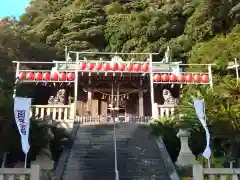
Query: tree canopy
{"points": [[189, 27]]}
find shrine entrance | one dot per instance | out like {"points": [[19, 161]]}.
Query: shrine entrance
{"points": [[94, 80]]}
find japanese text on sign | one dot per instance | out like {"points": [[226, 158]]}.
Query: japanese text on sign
{"points": [[21, 119]]}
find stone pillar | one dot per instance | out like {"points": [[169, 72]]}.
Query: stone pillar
{"points": [[104, 108], [185, 157], [46, 165], [44, 158], [89, 97], [72, 111], [155, 111], [140, 103], [89, 109], [117, 103]]}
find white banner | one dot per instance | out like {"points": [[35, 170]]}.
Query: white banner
{"points": [[22, 117], [200, 111]]}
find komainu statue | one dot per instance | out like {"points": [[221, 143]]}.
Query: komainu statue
{"points": [[59, 98], [168, 98]]}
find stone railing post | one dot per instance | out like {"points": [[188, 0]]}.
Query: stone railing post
{"points": [[72, 111], [35, 172], [155, 110], [45, 163], [185, 157], [197, 172]]}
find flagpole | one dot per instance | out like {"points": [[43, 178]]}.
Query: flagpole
{"points": [[25, 162], [205, 118], [199, 106], [26, 155], [14, 96]]}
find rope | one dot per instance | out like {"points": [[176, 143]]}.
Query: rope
{"points": [[106, 94], [125, 94]]}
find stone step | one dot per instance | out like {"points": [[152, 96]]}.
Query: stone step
{"points": [[85, 167], [89, 175], [147, 177], [92, 155]]}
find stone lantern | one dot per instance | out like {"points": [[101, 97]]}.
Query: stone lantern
{"points": [[185, 157]]}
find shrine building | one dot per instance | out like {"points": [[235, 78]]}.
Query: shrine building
{"points": [[138, 90]]}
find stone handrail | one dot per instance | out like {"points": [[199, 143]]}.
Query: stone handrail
{"points": [[169, 166], [21, 173], [199, 173], [56, 112], [166, 110], [89, 119], [109, 120], [140, 119]]}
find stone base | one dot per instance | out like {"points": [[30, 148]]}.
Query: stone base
{"points": [[44, 162], [185, 160], [185, 171]]}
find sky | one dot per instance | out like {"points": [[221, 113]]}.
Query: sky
{"points": [[13, 8]]}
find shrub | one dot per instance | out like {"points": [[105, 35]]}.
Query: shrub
{"points": [[165, 128]]}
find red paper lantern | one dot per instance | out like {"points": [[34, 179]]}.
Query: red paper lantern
{"points": [[83, 66], [129, 67], [137, 67], [46, 76], [30, 76], [157, 77], [165, 78], [114, 66], [181, 78], [98, 66], [90, 66], [106, 67], [173, 78], [54, 76], [145, 67], [197, 78], [71, 76], [205, 78], [122, 67], [22, 75], [62, 77], [38, 76], [189, 78]]}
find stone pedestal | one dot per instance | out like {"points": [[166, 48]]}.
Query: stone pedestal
{"points": [[155, 114], [72, 111], [45, 162], [185, 157], [46, 165]]}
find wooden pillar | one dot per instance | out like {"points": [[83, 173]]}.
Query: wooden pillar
{"points": [[152, 86], [140, 103], [104, 108], [117, 103], [75, 90], [89, 97]]}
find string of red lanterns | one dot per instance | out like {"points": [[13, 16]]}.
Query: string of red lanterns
{"points": [[188, 78], [54, 76], [164, 77], [114, 67]]}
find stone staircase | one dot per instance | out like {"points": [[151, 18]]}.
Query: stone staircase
{"points": [[92, 154]]}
